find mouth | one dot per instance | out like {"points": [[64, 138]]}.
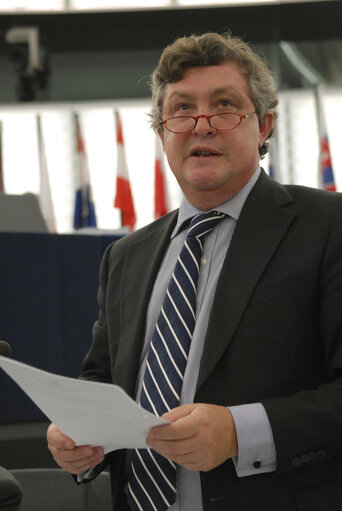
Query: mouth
{"points": [[204, 152]]}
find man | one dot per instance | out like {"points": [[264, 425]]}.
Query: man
{"points": [[259, 421]]}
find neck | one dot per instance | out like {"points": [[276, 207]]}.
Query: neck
{"points": [[206, 201]]}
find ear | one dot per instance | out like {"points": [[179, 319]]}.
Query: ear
{"points": [[265, 127]]}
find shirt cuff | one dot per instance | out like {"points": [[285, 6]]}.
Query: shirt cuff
{"points": [[256, 449], [89, 474]]}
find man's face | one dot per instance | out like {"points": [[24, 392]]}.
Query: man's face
{"points": [[211, 165]]}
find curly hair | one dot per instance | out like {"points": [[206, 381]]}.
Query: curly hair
{"points": [[212, 49]]}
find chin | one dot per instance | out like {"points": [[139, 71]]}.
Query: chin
{"points": [[204, 179]]}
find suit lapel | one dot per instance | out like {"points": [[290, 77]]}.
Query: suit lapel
{"points": [[142, 264], [262, 224]]}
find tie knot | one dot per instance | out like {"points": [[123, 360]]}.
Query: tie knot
{"points": [[203, 223]]}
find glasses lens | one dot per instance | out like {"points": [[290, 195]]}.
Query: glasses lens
{"points": [[225, 121], [180, 124]]}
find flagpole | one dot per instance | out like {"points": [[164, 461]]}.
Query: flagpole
{"points": [[45, 197], [161, 199]]}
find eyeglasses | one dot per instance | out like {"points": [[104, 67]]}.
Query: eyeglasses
{"points": [[222, 122]]}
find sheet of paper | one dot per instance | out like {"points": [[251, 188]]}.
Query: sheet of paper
{"points": [[90, 413]]}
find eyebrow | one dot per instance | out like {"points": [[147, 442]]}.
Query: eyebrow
{"points": [[215, 92]]}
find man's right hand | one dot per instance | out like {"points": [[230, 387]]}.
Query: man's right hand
{"points": [[69, 457]]}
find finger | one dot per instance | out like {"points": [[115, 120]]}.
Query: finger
{"points": [[179, 412], [171, 433], [78, 453], [171, 416], [184, 427], [78, 459], [80, 466], [182, 453], [186, 460], [77, 467], [171, 448], [56, 438]]}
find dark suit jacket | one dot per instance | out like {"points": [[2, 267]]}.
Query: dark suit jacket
{"points": [[274, 336]]}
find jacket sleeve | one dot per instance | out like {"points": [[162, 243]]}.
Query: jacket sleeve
{"points": [[307, 425], [96, 364]]}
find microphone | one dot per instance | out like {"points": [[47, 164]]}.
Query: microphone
{"points": [[5, 349]]}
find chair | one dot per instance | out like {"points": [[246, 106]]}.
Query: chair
{"points": [[21, 213], [10, 491], [55, 490]]}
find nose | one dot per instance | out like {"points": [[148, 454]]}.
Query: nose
{"points": [[203, 126]]}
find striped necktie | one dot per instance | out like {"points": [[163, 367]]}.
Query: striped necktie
{"points": [[152, 480]]}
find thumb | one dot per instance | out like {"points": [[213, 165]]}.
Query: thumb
{"points": [[56, 438], [179, 412]]}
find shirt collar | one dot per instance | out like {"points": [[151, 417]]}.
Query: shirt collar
{"points": [[232, 207]]}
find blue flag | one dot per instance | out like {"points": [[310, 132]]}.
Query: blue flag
{"points": [[84, 206]]}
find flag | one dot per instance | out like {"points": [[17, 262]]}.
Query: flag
{"points": [[273, 165], [2, 186], [325, 170], [84, 215], [123, 197], [160, 186], [45, 197]]}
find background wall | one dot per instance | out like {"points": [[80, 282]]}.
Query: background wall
{"points": [[106, 55]]}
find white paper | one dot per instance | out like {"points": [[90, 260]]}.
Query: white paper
{"points": [[91, 413]]}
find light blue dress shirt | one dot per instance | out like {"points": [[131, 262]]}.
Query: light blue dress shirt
{"points": [[254, 433]]}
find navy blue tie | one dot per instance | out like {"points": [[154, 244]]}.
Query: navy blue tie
{"points": [[152, 480]]}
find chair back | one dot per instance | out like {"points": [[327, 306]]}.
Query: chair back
{"points": [[55, 490]]}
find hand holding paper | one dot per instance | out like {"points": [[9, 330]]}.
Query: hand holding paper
{"points": [[91, 413], [76, 460]]}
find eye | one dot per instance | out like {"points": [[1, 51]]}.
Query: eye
{"points": [[183, 107], [225, 103]]}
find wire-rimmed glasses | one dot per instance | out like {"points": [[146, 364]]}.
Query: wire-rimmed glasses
{"points": [[223, 122]]}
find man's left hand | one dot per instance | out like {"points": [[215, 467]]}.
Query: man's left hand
{"points": [[199, 436]]}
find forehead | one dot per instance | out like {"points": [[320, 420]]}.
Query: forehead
{"points": [[208, 81]]}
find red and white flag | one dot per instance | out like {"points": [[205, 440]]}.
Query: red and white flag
{"points": [[160, 184], [2, 187], [325, 169], [123, 197], [45, 197]]}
